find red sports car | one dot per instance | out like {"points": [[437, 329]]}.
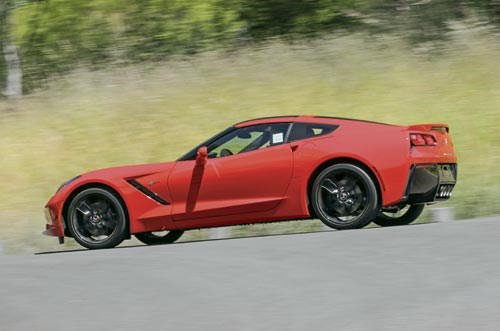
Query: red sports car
{"points": [[345, 172]]}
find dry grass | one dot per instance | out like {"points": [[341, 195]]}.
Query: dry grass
{"points": [[91, 120]]}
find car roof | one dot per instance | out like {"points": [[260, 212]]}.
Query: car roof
{"points": [[301, 118]]}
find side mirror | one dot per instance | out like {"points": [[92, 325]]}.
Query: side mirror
{"points": [[201, 156]]}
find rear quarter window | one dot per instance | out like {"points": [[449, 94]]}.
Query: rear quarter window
{"points": [[308, 130]]}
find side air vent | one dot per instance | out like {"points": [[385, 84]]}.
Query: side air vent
{"points": [[148, 193]]}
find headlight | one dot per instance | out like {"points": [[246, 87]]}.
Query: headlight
{"points": [[67, 182]]}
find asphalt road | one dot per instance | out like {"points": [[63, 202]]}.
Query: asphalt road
{"points": [[442, 276]]}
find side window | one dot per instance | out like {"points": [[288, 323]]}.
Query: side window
{"points": [[308, 130], [248, 139]]}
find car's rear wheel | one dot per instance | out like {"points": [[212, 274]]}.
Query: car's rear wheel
{"points": [[160, 237], [399, 216], [97, 219], [344, 196]]}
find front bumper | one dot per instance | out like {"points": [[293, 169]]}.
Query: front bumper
{"points": [[53, 215], [430, 183]]}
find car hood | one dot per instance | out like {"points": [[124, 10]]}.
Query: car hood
{"points": [[129, 171]]}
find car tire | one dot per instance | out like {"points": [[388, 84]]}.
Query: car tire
{"points": [[344, 196], [395, 219], [97, 219], [150, 238]]}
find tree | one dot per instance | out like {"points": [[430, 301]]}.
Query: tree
{"points": [[301, 18], [13, 85], [50, 37], [56, 36]]}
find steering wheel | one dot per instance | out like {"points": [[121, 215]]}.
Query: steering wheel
{"points": [[225, 152]]}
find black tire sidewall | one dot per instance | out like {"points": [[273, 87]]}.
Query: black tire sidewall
{"points": [[118, 234], [410, 216], [368, 214], [169, 238]]}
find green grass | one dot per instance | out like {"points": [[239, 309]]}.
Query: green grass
{"points": [[120, 115]]}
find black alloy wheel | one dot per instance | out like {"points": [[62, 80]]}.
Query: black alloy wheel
{"points": [[344, 196], [97, 219], [160, 237], [399, 216]]}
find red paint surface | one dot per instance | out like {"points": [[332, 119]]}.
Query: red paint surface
{"points": [[263, 185]]}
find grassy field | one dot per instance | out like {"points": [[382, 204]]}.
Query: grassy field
{"points": [[125, 115]]}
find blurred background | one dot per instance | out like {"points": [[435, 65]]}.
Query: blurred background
{"points": [[96, 83]]}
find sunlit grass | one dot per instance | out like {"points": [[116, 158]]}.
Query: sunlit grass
{"points": [[118, 116]]}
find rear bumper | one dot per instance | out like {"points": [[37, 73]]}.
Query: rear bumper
{"points": [[430, 183]]}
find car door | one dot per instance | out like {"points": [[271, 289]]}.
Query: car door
{"points": [[244, 173]]}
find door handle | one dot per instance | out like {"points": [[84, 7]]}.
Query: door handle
{"points": [[294, 147]]}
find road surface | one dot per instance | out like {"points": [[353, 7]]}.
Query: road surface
{"points": [[441, 276]]}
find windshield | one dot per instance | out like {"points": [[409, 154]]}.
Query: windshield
{"points": [[248, 139], [191, 155]]}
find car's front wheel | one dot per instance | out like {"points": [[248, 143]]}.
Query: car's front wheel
{"points": [[399, 216], [97, 219], [344, 196], [159, 238]]}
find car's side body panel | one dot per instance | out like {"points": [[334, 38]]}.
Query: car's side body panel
{"points": [[143, 212], [238, 184], [367, 144]]}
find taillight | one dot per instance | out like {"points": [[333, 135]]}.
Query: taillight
{"points": [[421, 139]]}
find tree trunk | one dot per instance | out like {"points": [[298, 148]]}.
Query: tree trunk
{"points": [[14, 83], [14, 86]]}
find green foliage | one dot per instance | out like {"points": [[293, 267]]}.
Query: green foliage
{"points": [[154, 29], [58, 35], [268, 18], [419, 20]]}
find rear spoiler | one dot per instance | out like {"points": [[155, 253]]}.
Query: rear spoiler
{"points": [[429, 127]]}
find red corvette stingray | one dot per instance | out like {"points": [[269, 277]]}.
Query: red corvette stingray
{"points": [[345, 172]]}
